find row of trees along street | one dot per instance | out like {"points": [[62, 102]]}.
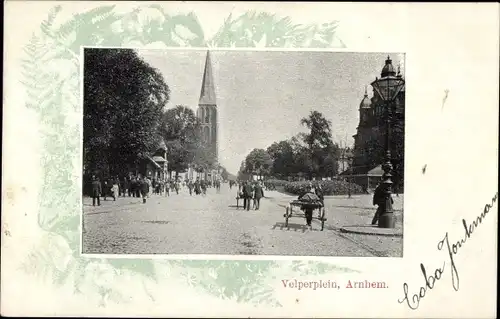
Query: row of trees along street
{"points": [[125, 116], [306, 155]]}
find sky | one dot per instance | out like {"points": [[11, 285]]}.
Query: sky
{"points": [[262, 95]]}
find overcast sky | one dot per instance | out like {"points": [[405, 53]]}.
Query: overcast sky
{"points": [[262, 95]]}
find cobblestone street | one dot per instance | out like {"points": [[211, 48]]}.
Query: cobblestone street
{"points": [[184, 224]]}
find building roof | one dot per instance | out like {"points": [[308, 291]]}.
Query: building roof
{"points": [[207, 95], [153, 161], [365, 102], [363, 170], [159, 159], [377, 171], [388, 69]]}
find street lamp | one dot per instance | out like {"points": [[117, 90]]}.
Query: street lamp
{"points": [[388, 88]]}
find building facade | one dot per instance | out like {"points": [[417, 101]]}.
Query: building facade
{"points": [[369, 147]]}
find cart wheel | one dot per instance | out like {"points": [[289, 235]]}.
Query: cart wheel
{"points": [[322, 219]]}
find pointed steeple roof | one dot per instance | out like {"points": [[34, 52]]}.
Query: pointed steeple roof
{"points": [[207, 95]]}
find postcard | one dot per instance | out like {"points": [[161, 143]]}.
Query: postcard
{"points": [[250, 159]]}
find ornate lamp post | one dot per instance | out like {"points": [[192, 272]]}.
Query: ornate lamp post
{"points": [[388, 88]]}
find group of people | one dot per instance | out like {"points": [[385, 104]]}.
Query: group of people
{"points": [[138, 187], [144, 186], [251, 191]]}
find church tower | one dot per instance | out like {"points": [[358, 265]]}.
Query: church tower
{"points": [[207, 110]]}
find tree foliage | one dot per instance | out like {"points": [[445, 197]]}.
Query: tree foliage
{"points": [[322, 153], [124, 98], [311, 154], [179, 128], [258, 162]]}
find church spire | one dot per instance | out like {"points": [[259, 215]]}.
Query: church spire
{"points": [[207, 95]]}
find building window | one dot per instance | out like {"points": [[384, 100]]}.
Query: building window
{"points": [[206, 134], [207, 116], [202, 114]]}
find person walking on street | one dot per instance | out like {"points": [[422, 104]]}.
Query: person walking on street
{"points": [[105, 189], [203, 185], [190, 187], [247, 193], [140, 179], [125, 187], [150, 186], [258, 193], [177, 186], [144, 188], [115, 189], [167, 187], [96, 191], [132, 186], [197, 187], [319, 192]]}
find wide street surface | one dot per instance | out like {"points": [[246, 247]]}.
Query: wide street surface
{"points": [[211, 224]]}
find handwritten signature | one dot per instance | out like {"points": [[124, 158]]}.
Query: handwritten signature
{"points": [[452, 250]]}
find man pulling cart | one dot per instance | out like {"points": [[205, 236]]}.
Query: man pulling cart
{"points": [[308, 202]]}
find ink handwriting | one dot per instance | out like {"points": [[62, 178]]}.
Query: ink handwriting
{"points": [[451, 249]]}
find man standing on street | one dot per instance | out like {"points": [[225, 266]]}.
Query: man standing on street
{"points": [[144, 187], [247, 193], [258, 194], [379, 199], [203, 185], [190, 187], [96, 191], [125, 186]]}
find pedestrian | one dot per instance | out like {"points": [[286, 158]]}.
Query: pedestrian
{"points": [[150, 188], [177, 186], [319, 192], [190, 187], [105, 189], [133, 186], [258, 193], [115, 189], [125, 187], [140, 180], [96, 191], [311, 197], [247, 194], [379, 199], [203, 185], [167, 187], [144, 189], [197, 187]]}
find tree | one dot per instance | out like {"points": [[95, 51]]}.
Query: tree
{"points": [[258, 162], [179, 128], [322, 153], [282, 156], [124, 98], [242, 175]]}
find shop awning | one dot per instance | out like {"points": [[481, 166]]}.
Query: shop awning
{"points": [[153, 161]]}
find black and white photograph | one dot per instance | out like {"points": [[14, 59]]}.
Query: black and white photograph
{"points": [[239, 152]]}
